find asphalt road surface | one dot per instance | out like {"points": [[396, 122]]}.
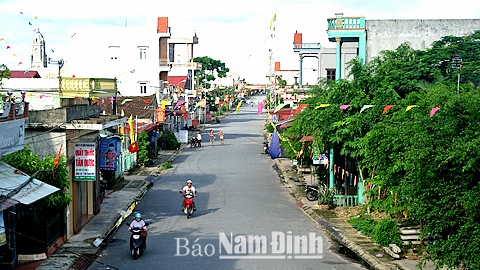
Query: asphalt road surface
{"points": [[245, 219]]}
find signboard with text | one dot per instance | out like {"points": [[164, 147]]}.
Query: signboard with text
{"points": [[209, 117], [160, 114], [182, 136], [195, 123], [85, 162]]}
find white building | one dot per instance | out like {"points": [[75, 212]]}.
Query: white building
{"points": [[136, 56]]}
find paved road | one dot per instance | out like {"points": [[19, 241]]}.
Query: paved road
{"points": [[239, 194]]}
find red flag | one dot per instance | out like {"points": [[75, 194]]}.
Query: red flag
{"points": [[56, 160], [8, 47], [133, 147], [146, 100]]}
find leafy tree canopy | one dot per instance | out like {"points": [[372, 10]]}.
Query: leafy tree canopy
{"points": [[4, 72], [429, 166], [27, 161], [210, 67]]}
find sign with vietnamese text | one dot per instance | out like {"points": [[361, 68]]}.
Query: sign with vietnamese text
{"points": [[160, 114], [12, 136], [182, 136], [85, 162], [195, 123], [209, 117]]}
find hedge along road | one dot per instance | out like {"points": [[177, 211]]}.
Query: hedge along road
{"points": [[244, 218]]}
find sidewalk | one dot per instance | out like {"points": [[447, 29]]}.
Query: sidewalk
{"points": [[339, 229], [116, 206]]}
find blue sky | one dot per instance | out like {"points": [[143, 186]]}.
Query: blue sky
{"points": [[235, 32]]}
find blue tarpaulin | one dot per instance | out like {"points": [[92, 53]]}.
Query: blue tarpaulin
{"points": [[274, 146]]}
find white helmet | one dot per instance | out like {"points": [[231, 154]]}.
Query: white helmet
{"points": [[189, 181]]}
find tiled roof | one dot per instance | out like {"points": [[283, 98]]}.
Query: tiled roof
{"points": [[24, 74], [141, 106]]}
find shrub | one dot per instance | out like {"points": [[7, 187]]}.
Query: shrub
{"points": [[167, 165], [171, 141], [270, 128], [364, 224], [387, 232]]}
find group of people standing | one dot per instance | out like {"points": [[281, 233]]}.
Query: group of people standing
{"points": [[212, 138]]}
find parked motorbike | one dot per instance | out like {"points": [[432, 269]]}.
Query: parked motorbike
{"points": [[193, 142], [311, 192], [188, 210], [137, 243], [265, 147]]}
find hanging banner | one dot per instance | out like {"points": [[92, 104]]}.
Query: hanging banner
{"points": [[109, 153], [160, 114], [85, 162]]}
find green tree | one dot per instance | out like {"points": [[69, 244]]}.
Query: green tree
{"points": [[280, 81], [143, 143], [4, 73], [428, 165], [210, 67], [27, 161]]}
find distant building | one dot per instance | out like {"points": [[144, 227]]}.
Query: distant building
{"points": [[39, 54], [136, 56]]}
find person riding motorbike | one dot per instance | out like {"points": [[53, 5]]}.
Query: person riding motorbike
{"points": [[138, 223], [188, 189]]}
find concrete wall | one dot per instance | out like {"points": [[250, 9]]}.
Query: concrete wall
{"points": [[389, 34], [58, 116], [328, 58]]}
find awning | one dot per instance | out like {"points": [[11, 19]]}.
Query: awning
{"points": [[11, 179]]}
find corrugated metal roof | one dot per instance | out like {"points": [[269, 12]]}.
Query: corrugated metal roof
{"points": [[11, 178]]}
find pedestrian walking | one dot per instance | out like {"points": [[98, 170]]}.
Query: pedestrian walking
{"points": [[212, 137], [199, 139], [221, 136]]}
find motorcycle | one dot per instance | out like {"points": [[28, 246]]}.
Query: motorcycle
{"points": [[193, 142], [188, 209], [137, 244], [311, 192], [265, 147]]}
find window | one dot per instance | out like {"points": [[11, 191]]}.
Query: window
{"points": [[143, 51], [143, 54], [114, 50], [143, 88], [331, 74]]}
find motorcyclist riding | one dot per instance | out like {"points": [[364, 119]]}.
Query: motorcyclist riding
{"points": [[189, 189], [138, 223]]}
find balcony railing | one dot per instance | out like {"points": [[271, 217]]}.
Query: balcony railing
{"points": [[87, 87], [306, 45], [189, 65], [346, 23]]}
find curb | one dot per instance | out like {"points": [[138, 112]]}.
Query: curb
{"points": [[124, 214]]}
